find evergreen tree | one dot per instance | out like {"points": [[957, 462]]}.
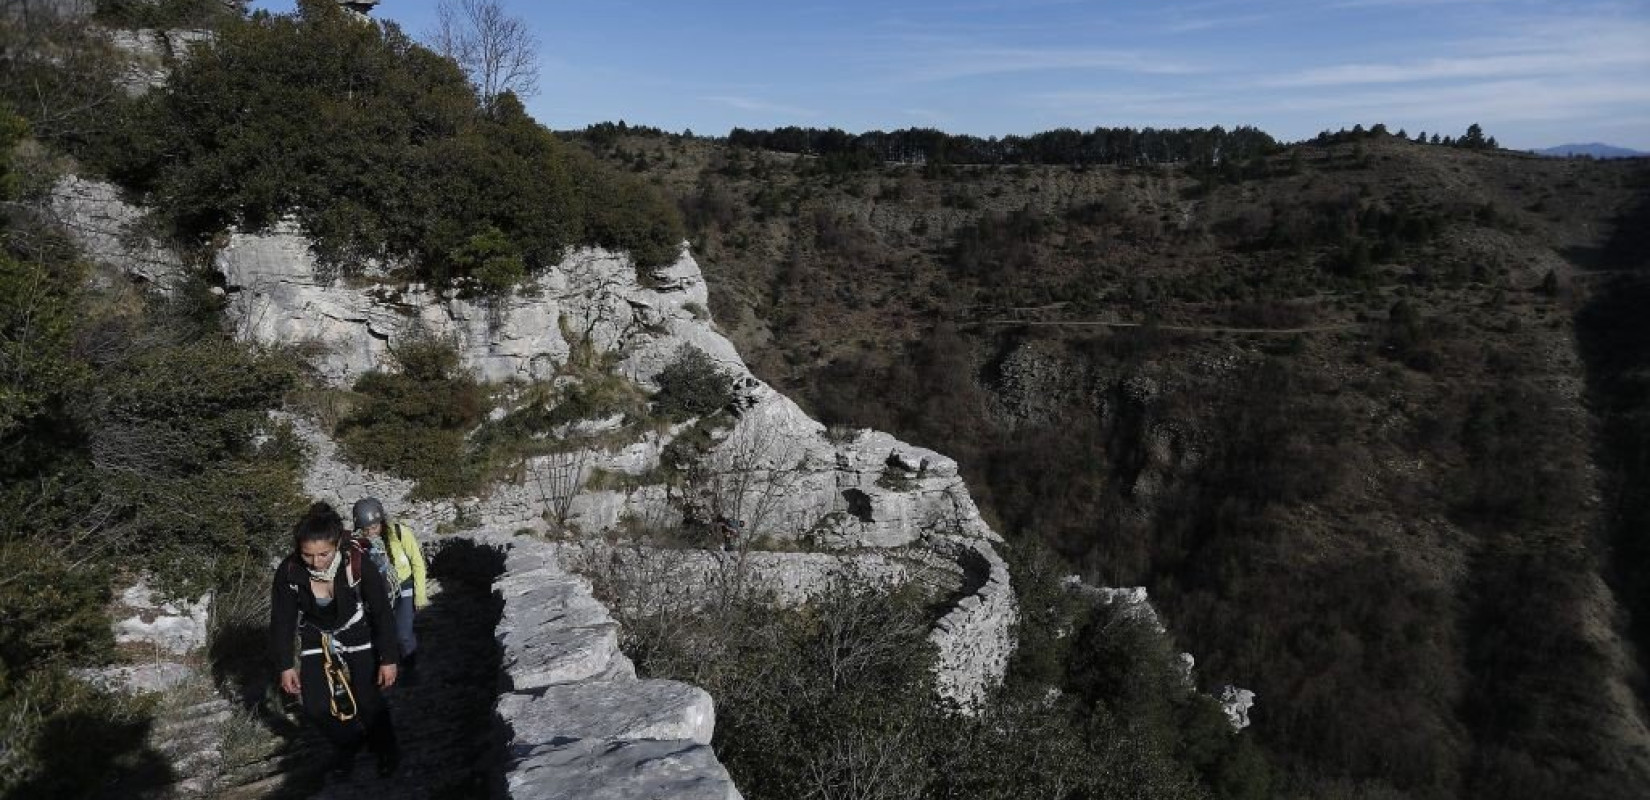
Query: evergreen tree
{"points": [[1474, 139]]}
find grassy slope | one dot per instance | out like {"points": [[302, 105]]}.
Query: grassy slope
{"points": [[1387, 525]]}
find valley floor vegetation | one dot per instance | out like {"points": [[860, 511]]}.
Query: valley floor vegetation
{"points": [[1324, 401]]}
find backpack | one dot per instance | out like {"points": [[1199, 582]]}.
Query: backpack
{"points": [[380, 557]]}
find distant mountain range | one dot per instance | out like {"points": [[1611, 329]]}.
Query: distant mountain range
{"points": [[1594, 149]]}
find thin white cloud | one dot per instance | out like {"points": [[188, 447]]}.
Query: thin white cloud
{"points": [[763, 106], [1496, 101], [926, 114], [1606, 48], [952, 64], [1201, 24], [1458, 68]]}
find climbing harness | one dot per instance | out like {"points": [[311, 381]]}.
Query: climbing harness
{"points": [[354, 619], [341, 695]]}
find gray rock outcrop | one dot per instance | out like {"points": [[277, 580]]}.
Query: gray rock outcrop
{"points": [[1133, 605], [1236, 703], [282, 295], [150, 54], [176, 627], [112, 233], [167, 634]]}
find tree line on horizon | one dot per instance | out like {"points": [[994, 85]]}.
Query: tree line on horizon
{"points": [[1101, 145]]}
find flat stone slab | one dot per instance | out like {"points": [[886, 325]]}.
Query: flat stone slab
{"points": [[635, 770], [561, 604], [535, 658], [649, 709]]}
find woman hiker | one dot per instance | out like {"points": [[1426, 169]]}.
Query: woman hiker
{"points": [[396, 552], [335, 605]]}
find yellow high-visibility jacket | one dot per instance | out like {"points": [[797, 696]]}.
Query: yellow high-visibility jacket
{"points": [[407, 560]]}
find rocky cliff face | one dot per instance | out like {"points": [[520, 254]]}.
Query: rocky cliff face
{"points": [[783, 475], [777, 469], [794, 482]]}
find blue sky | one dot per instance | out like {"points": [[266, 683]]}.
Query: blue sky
{"points": [[1532, 73]]}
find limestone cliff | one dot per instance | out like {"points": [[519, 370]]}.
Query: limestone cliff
{"points": [[776, 469]]}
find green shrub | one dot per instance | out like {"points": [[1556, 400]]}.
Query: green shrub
{"points": [[413, 422], [380, 149], [65, 739], [841, 689], [64, 76], [133, 438], [688, 448], [492, 260], [692, 385], [808, 698]]}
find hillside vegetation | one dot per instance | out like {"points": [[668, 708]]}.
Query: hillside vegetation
{"points": [[1326, 402], [376, 147], [135, 434]]}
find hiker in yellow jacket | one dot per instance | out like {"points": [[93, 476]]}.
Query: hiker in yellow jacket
{"points": [[397, 554]]}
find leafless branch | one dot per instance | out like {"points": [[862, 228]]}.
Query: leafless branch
{"points": [[498, 51]]}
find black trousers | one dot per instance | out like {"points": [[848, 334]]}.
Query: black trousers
{"points": [[372, 720]]}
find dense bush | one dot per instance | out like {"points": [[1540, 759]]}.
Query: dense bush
{"points": [[426, 418], [63, 739], [64, 77], [380, 150], [841, 151], [996, 244], [692, 385], [134, 438], [413, 421]]}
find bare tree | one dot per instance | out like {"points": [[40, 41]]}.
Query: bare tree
{"points": [[498, 51], [747, 479], [559, 478]]}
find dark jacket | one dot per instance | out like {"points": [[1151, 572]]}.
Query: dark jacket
{"points": [[294, 613]]}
